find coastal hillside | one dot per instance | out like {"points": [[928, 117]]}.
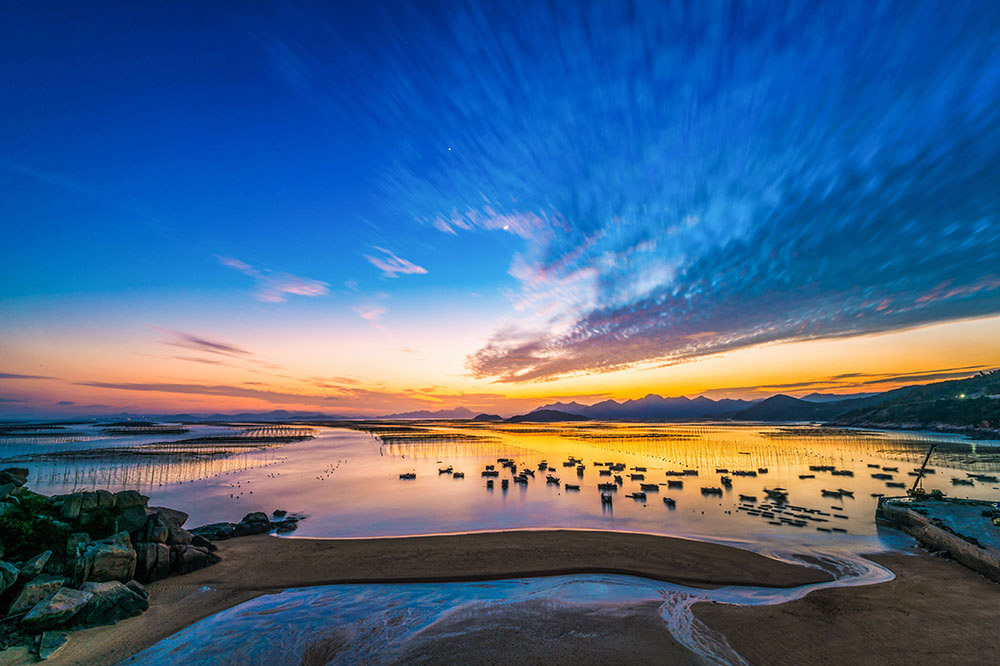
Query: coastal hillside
{"points": [[971, 403], [546, 416]]}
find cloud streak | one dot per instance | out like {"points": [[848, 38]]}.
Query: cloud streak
{"points": [[393, 266], [273, 287]]}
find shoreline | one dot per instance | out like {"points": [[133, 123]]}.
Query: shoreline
{"points": [[257, 565]]}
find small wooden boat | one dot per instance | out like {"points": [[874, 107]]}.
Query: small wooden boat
{"points": [[458, 475], [490, 472], [710, 490], [669, 501], [882, 477], [606, 498], [445, 470], [821, 468], [846, 493], [726, 481], [748, 498], [762, 470], [408, 475], [554, 480], [842, 472], [690, 472], [638, 496], [579, 470], [890, 469], [721, 470], [830, 493], [639, 469], [963, 482], [571, 486], [618, 480], [637, 477], [675, 484], [649, 486], [874, 466], [489, 483], [604, 472], [607, 486], [894, 484], [807, 476]]}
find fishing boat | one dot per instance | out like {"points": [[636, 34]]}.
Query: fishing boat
{"points": [[604, 472], [649, 486], [637, 477], [711, 490], [490, 472], [726, 481], [408, 475], [830, 493], [762, 470], [807, 476], [675, 484], [669, 501], [607, 486], [842, 472], [458, 475], [445, 470], [571, 486], [554, 480], [619, 480], [882, 477], [846, 493], [638, 496], [890, 469], [721, 470], [639, 469]]}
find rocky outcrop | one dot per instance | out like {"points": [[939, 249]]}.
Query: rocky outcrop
{"points": [[56, 610], [8, 576], [35, 565], [16, 475], [112, 558], [109, 603], [216, 531], [152, 561], [253, 523], [34, 591]]}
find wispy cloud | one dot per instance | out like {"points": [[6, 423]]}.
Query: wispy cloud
{"points": [[201, 344], [14, 375], [272, 287], [393, 266]]}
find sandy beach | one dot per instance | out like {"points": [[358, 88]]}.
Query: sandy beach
{"points": [[934, 610], [252, 566]]}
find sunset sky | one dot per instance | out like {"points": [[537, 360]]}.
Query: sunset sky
{"points": [[332, 207]]}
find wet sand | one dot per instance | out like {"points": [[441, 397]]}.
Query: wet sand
{"points": [[935, 612], [252, 566]]}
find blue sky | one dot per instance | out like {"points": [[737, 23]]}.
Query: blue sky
{"points": [[590, 186]]}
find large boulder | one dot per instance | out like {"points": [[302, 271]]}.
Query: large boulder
{"points": [[35, 565], [132, 519], [178, 536], [8, 576], [108, 559], [35, 590], [72, 505], [110, 602], [191, 558], [129, 498], [105, 499], [170, 516], [16, 475], [253, 523], [56, 610], [216, 531], [152, 561], [6, 489]]}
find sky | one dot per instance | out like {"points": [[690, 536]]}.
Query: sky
{"points": [[363, 208]]}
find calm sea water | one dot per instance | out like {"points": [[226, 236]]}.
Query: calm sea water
{"points": [[347, 482]]}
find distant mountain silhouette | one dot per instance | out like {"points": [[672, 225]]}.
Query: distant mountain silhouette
{"points": [[652, 407], [969, 404], [457, 413], [546, 416], [835, 397], [488, 417]]}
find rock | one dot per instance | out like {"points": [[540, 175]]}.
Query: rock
{"points": [[58, 609], [170, 516], [202, 542], [253, 523], [132, 519], [108, 559], [191, 558], [126, 499], [105, 500], [178, 536], [286, 526], [8, 576], [152, 561], [216, 531], [72, 505], [154, 531], [73, 542], [110, 602], [138, 588], [16, 475], [89, 501], [35, 565], [279, 513], [35, 590], [6, 489], [50, 643]]}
